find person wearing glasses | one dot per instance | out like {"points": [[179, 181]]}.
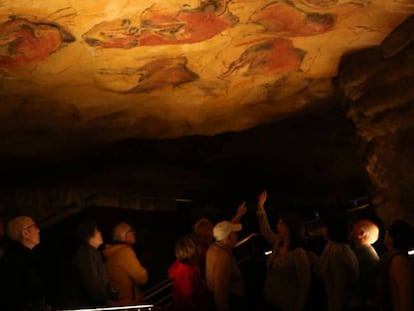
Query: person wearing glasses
{"points": [[22, 287], [125, 271]]}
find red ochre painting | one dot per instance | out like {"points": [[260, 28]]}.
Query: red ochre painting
{"points": [[277, 56], [156, 74], [151, 57], [23, 42], [159, 28], [286, 20]]}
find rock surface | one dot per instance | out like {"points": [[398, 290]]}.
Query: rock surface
{"points": [[378, 85]]}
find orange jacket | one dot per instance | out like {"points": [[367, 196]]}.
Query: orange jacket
{"points": [[125, 273]]}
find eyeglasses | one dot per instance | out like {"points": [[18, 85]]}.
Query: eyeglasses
{"points": [[34, 225], [130, 231]]}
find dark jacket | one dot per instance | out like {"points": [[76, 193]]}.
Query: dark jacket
{"points": [[90, 283], [21, 285]]}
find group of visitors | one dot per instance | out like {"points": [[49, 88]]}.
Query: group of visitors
{"points": [[94, 280], [348, 275]]}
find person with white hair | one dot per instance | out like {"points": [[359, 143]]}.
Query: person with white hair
{"points": [[125, 271], [21, 284], [223, 275], [364, 234]]}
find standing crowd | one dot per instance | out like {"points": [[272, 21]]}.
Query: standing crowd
{"points": [[347, 276]]}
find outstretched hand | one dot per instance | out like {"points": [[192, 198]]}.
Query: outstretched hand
{"points": [[242, 209], [261, 199]]}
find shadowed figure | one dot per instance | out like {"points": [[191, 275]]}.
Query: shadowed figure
{"points": [[125, 271], [21, 284], [396, 284], [364, 234], [287, 282]]}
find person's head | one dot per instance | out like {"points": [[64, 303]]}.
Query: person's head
{"points": [[226, 233], [186, 249], [124, 233], [336, 229], [203, 229], [24, 230], [291, 230], [400, 235], [365, 232], [88, 233]]}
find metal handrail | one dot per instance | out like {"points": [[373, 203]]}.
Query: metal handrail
{"points": [[137, 307], [246, 239], [155, 290], [165, 284]]}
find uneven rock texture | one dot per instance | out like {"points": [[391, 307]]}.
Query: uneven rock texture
{"points": [[307, 163], [378, 85]]}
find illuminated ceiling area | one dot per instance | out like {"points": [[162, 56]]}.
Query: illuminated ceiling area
{"points": [[106, 70], [77, 76]]}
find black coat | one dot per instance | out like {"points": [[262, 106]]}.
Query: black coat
{"points": [[21, 284], [90, 282]]}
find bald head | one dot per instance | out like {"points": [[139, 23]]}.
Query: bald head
{"points": [[24, 230], [123, 232], [365, 232]]}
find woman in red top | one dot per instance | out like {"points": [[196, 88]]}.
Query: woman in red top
{"points": [[189, 291]]}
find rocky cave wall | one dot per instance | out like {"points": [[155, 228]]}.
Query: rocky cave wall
{"points": [[306, 163], [378, 87]]}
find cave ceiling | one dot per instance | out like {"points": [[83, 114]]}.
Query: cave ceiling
{"points": [[99, 71]]}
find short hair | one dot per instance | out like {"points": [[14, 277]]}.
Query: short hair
{"points": [[370, 229], [402, 235], [201, 222], [336, 224], [119, 231], [85, 230], [16, 225], [186, 248], [296, 229]]}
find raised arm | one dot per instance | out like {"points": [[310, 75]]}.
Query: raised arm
{"points": [[271, 237], [241, 210]]}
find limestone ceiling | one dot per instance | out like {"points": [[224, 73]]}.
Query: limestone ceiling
{"points": [[74, 70]]}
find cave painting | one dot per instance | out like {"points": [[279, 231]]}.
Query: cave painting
{"points": [[153, 75], [286, 20], [296, 86], [408, 2], [329, 4], [23, 42], [155, 27], [277, 56]]}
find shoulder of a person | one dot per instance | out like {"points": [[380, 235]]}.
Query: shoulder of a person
{"points": [[400, 261], [125, 249], [86, 250], [220, 251]]}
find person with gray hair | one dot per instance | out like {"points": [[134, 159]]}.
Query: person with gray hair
{"points": [[22, 287], [223, 276], [125, 271], [364, 234]]}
